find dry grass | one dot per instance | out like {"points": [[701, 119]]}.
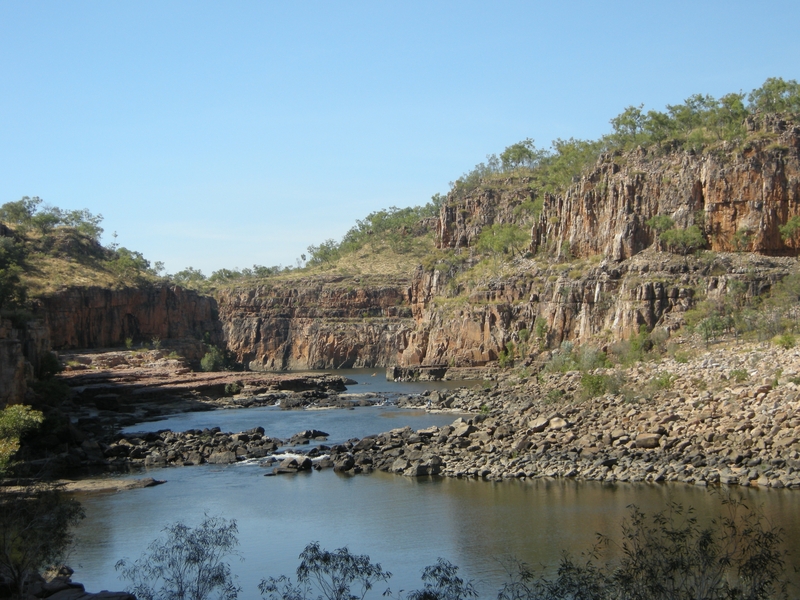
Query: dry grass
{"points": [[47, 275]]}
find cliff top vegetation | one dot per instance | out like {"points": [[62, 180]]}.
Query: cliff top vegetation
{"points": [[44, 248], [394, 241]]}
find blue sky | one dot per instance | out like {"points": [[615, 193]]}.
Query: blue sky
{"points": [[227, 134]]}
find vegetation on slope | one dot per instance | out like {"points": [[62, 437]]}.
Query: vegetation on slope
{"points": [[50, 248], [44, 248]]}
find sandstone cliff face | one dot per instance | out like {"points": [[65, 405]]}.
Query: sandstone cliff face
{"points": [[460, 223], [12, 366], [736, 194], [751, 190], [610, 302], [101, 318], [319, 323]]}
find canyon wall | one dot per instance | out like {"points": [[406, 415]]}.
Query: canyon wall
{"points": [[603, 279], [317, 323], [22, 346], [100, 318], [749, 190]]}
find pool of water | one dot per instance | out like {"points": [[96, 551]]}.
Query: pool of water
{"points": [[401, 522]]}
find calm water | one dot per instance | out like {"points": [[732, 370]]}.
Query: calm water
{"points": [[403, 523]]}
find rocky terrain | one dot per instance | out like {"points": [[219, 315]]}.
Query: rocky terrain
{"points": [[727, 416], [593, 272]]}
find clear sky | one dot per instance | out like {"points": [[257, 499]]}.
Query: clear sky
{"points": [[227, 134]]}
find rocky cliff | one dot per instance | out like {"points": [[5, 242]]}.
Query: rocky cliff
{"points": [[318, 323], [729, 189], [101, 318], [593, 272], [22, 346]]}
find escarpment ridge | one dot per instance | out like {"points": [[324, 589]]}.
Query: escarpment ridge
{"points": [[594, 271]]}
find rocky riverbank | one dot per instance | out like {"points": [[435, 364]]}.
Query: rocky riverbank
{"points": [[728, 416]]}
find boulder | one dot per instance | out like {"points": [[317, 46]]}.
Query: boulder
{"points": [[647, 440]]}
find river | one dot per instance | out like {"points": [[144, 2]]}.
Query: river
{"points": [[405, 524]]}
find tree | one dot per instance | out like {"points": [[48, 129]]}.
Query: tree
{"points": [[776, 95], [628, 125], [188, 564], [336, 575], [727, 119], [12, 291], [684, 241], [189, 276], [522, 154], [657, 126], [35, 531], [20, 212], [213, 360], [443, 583], [660, 223], [790, 230], [129, 264], [502, 239], [84, 221], [15, 421]]}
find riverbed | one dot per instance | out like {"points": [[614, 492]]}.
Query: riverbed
{"points": [[403, 523]]}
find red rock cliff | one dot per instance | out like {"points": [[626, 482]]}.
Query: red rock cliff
{"points": [[100, 318], [318, 323]]}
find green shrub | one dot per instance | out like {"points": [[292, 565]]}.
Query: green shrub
{"points": [[49, 365], [663, 381], [554, 395], [660, 223], [214, 360], [233, 388], [681, 356], [739, 375], [593, 385], [684, 241], [785, 340]]}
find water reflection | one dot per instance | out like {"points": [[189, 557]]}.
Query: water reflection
{"points": [[403, 523]]}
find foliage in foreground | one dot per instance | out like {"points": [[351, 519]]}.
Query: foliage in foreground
{"points": [[15, 421], [668, 556], [187, 564], [35, 531], [336, 575]]}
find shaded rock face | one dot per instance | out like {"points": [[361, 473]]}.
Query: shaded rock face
{"points": [[21, 351], [12, 365], [321, 323], [100, 318]]}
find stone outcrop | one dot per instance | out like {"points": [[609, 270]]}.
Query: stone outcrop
{"points": [[750, 190], [582, 302], [102, 318], [317, 323], [604, 276], [13, 383]]}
